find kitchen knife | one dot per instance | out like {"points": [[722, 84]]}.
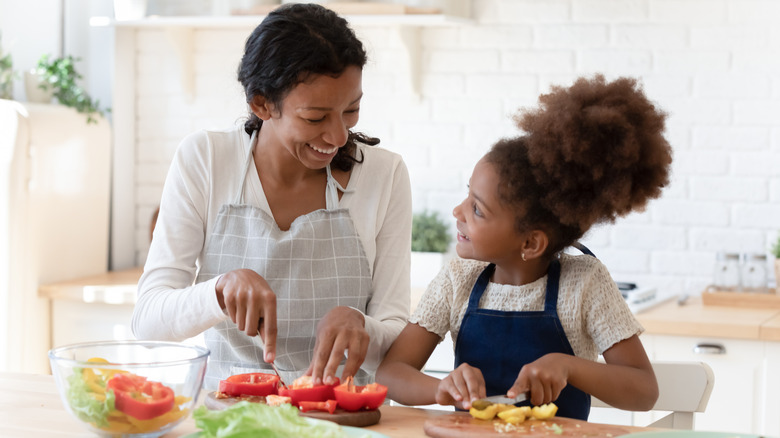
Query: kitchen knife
{"points": [[278, 375], [493, 399]]}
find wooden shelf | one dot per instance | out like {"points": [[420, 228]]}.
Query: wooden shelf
{"points": [[405, 19], [714, 297], [357, 13], [250, 21], [114, 287]]}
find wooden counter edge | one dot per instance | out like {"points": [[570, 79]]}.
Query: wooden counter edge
{"points": [[698, 320], [73, 289]]}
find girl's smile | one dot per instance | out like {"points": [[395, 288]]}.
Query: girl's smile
{"points": [[486, 224]]}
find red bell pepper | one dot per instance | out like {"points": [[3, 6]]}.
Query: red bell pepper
{"points": [[327, 406], [140, 398], [303, 390], [261, 384], [353, 398]]}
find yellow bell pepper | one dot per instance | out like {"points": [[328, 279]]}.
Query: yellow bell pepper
{"points": [[504, 407], [544, 412], [484, 414], [515, 415]]}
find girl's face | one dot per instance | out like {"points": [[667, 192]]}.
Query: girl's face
{"points": [[313, 120], [486, 226]]}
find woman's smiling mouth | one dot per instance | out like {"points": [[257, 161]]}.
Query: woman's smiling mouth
{"points": [[462, 236], [327, 151]]}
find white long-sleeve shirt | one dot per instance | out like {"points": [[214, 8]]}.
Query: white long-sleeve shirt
{"points": [[205, 175]]}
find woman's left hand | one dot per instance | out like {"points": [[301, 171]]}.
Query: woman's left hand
{"points": [[341, 329], [544, 378]]}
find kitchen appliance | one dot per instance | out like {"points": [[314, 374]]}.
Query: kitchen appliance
{"points": [[640, 298], [54, 218]]}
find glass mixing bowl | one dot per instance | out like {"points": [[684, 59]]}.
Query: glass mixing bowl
{"points": [[139, 389]]}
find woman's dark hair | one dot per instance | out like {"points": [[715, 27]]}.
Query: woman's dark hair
{"points": [[294, 42], [592, 152]]}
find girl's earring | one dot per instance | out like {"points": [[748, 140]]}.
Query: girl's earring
{"points": [[522, 254]]}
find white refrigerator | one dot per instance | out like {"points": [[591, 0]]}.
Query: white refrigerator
{"points": [[54, 218]]}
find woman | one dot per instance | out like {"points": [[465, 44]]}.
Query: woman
{"points": [[295, 230]]}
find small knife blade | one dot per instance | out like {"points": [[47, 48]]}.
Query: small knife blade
{"points": [[504, 399], [278, 375]]}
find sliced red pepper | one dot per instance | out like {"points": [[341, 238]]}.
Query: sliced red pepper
{"points": [[326, 406], [300, 391], [261, 384], [140, 398], [353, 398]]}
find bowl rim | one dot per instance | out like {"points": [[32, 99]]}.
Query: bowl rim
{"points": [[55, 354]]}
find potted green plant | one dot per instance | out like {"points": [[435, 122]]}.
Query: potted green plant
{"points": [[7, 74], [430, 240], [59, 76], [776, 252]]}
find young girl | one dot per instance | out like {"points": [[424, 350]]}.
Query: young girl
{"points": [[526, 317]]}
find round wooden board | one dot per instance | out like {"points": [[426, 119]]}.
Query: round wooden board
{"points": [[345, 418], [463, 425]]}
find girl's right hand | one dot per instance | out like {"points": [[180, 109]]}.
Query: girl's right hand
{"points": [[461, 387], [251, 305]]}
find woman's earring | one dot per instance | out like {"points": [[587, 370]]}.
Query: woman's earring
{"points": [[522, 254]]}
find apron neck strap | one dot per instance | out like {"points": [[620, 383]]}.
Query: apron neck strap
{"points": [[584, 249], [249, 161], [551, 295], [480, 286], [331, 191]]}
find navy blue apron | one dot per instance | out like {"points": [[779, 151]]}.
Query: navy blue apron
{"points": [[500, 343]]}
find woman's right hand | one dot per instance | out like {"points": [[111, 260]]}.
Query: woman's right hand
{"points": [[251, 305], [462, 386]]}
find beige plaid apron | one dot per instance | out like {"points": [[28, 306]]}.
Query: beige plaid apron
{"points": [[318, 264]]}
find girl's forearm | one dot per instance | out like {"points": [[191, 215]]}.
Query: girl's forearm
{"points": [[622, 386], [407, 385]]}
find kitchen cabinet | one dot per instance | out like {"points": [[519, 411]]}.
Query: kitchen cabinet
{"points": [[770, 332], [771, 405], [736, 402], [93, 308], [54, 219]]}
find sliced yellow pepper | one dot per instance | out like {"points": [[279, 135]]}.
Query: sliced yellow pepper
{"points": [[544, 412], [484, 414], [503, 407], [515, 415]]}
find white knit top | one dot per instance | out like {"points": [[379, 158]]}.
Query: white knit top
{"points": [[592, 311]]}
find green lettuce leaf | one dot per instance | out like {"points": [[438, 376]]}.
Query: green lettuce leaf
{"points": [[84, 404], [257, 420]]}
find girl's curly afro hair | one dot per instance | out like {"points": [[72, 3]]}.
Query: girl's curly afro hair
{"points": [[592, 152]]}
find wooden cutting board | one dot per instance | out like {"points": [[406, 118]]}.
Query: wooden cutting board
{"points": [[345, 418], [463, 425]]}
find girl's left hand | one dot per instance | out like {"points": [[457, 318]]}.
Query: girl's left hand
{"points": [[341, 329], [462, 386], [544, 378]]}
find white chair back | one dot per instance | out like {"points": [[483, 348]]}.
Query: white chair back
{"points": [[683, 388]]}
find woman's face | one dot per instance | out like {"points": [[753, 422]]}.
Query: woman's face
{"points": [[486, 226], [313, 120]]}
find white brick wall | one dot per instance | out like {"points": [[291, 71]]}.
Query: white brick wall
{"points": [[713, 65]]}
